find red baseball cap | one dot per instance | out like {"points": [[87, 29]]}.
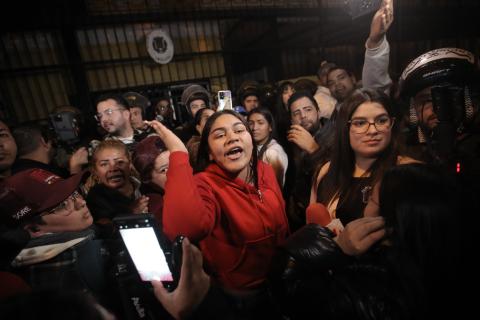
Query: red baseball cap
{"points": [[31, 192]]}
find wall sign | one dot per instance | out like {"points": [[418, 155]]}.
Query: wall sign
{"points": [[160, 46]]}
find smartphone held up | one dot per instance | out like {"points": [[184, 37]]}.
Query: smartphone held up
{"points": [[225, 100]]}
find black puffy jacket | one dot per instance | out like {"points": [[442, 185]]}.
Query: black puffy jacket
{"points": [[314, 279]]}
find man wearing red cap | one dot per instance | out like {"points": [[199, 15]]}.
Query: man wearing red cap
{"points": [[55, 215]]}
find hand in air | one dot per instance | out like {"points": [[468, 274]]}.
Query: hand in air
{"points": [[381, 22], [172, 142]]}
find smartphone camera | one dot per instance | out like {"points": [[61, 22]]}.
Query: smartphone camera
{"points": [[221, 95]]}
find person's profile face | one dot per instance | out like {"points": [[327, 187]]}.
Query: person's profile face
{"points": [[8, 147], [159, 172], [136, 118], [424, 109], [287, 93], [71, 215]]}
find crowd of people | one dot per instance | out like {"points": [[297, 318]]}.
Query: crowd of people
{"points": [[341, 199]]}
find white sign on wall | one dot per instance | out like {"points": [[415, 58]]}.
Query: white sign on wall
{"points": [[160, 46]]}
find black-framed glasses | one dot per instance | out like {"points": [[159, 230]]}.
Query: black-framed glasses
{"points": [[65, 206], [107, 112], [381, 124]]}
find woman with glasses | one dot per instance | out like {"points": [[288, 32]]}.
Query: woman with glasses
{"points": [[365, 146]]}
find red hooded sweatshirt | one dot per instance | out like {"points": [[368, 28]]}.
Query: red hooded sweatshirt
{"points": [[238, 227]]}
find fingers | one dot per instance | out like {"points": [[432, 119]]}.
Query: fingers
{"points": [[172, 142], [197, 257], [367, 225], [370, 230], [142, 205], [359, 235], [143, 200], [158, 126], [387, 16], [374, 237], [163, 295], [297, 127], [185, 271], [295, 132]]}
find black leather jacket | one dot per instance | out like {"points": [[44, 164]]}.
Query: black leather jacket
{"points": [[315, 279]]}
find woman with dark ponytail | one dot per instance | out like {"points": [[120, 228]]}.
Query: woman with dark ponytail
{"points": [[262, 124], [232, 207]]}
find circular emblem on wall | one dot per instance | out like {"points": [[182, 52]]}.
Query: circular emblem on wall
{"points": [[160, 46]]}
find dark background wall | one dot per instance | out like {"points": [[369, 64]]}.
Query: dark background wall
{"points": [[68, 52]]}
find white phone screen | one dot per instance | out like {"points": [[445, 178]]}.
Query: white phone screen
{"points": [[146, 253], [224, 100]]}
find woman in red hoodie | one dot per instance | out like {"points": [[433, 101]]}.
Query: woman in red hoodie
{"points": [[233, 207]]}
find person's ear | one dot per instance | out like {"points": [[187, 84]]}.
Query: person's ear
{"points": [[197, 127], [44, 142], [354, 80], [128, 113]]}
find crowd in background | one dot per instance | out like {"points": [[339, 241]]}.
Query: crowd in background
{"points": [[334, 198]]}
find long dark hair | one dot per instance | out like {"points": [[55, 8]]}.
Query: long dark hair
{"points": [[203, 156], [420, 205], [283, 87], [338, 179], [269, 117]]}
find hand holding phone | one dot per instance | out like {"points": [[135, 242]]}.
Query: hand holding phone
{"points": [[192, 288]]}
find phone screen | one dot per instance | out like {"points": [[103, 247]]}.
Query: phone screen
{"points": [[224, 100], [146, 253]]}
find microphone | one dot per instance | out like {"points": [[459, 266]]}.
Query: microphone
{"points": [[318, 213]]}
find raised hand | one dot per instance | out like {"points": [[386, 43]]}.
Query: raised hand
{"points": [[302, 138], [77, 160], [192, 288], [382, 20], [172, 142], [359, 235]]}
